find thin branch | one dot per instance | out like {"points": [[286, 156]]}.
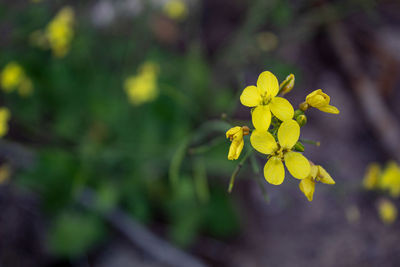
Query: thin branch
{"points": [[141, 237]]}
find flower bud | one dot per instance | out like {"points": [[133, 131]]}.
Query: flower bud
{"points": [[287, 85], [317, 99], [303, 106], [299, 147], [301, 120]]}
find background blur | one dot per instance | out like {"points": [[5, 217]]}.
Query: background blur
{"points": [[92, 178]]}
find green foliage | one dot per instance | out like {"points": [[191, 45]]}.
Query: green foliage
{"points": [[73, 233]]}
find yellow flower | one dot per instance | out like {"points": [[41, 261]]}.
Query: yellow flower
{"points": [[390, 179], [296, 163], [236, 134], [387, 211], [143, 88], [4, 117], [317, 174], [11, 76], [59, 32], [372, 175], [320, 100], [176, 9], [263, 98]]}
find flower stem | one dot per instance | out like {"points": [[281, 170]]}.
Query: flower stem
{"points": [[237, 169]]}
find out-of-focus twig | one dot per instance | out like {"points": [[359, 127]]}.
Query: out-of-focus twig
{"points": [[141, 237], [378, 115]]}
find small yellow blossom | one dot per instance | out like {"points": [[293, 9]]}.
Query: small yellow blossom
{"points": [[142, 87], [263, 98], [176, 9], [5, 172], [287, 85], [296, 163], [372, 176], [390, 179], [317, 174], [236, 134], [4, 118], [11, 76], [320, 100], [59, 32], [387, 211]]}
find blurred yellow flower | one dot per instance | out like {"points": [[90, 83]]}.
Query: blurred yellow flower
{"points": [[176, 9], [320, 100], [296, 163], [13, 77], [58, 33], [236, 134], [372, 176], [5, 172], [317, 174], [387, 211], [142, 88], [4, 118], [390, 179], [263, 98]]}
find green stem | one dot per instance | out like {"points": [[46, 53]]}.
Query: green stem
{"points": [[237, 169], [311, 142]]}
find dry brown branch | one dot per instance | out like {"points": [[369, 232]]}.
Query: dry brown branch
{"points": [[375, 110]]}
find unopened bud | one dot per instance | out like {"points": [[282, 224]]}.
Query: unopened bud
{"points": [[304, 106], [301, 120], [299, 147], [287, 85]]}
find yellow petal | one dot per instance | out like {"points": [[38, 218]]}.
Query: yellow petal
{"points": [[281, 108], [268, 83], [250, 96], [233, 131], [314, 171], [329, 109], [235, 149], [274, 171], [297, 164], [261, 117], [263, 142], [307, 186], [288, 134], [324, 176]]}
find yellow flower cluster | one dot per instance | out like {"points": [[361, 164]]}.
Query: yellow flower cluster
{"points": [[58, 33], [13, 77], [387, 179], [142, 88], [281, 141]]}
